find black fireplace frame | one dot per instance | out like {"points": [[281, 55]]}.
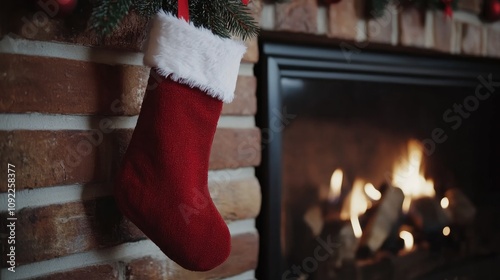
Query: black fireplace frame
{"points": [[282, 56]]}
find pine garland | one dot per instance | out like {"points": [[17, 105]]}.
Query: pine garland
{"points": [[108, 13], [224, 18]]}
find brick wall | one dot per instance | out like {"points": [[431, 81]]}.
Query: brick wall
{"points": [[463, 34], [69, 102]]}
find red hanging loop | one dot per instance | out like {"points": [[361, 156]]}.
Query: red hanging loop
{"points": [[183, 9]]}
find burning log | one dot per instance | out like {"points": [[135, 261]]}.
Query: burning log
{"points": [[382, 222], [349, 244], [460, 208], [427, 215], [430, 220]]}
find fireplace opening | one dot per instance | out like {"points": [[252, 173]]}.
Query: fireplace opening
{"points": [[378, 165]]}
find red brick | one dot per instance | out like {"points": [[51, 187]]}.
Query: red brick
{"points": [[146, 268], [235, 148], [472, 36], [471, 6], [443, 28], [252, 53], [63, 86], [101, 272], [18, 19], [47, 158], [412, 27], [44, 158], [492, 47], [380, 29], [245, 100], [59, 230], [297, 16], [236, 200], [343, 19]]}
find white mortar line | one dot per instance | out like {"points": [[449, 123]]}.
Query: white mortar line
{"points": [[36, 121], [246, 69], [231, 174], [69, 51], [54, 195], [267, 17], [395, 24], [322, 20], [429, 29], [248, 275], [361, 30], [69, 193], [466, 17], [236, 122], [242, 226]]}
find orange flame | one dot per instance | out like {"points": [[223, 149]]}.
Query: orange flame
{"points": [[355, 205], [335, 184], [408, 239], [408, 176]]}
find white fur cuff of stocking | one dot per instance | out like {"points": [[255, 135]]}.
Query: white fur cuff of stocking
{"points": [[194, 56]]}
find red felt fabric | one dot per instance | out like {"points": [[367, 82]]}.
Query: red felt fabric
{"points": [[162, 184]]}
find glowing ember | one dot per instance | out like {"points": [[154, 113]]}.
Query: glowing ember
{"points": [[445, 203], [407, 238], [408, 176], [335, 184], [372, 192], [355, 205], [446, 231]]}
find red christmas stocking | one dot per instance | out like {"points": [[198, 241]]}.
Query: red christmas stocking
{"points": [[162, 184]]}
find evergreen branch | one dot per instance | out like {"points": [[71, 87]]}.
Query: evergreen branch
{"points": [[223, 17], [377, 7], [239, 20], [147, 8], [107, 14], [207, 14]]}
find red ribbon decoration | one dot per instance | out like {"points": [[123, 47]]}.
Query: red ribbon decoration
{"points": [[448, 10], [183, 10]]}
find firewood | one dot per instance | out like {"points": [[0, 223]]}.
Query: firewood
{"points": [[427, 215], [460, 209], [383, 220], [314, 219]]}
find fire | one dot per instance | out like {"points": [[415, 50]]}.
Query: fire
{"points": [[335, 184], [372, 192], [446, 231], [445, 202], [408, 176], [355, 205], [408, 239]]}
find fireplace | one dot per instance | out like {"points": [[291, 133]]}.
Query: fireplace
{"points": [[377, 165]]}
